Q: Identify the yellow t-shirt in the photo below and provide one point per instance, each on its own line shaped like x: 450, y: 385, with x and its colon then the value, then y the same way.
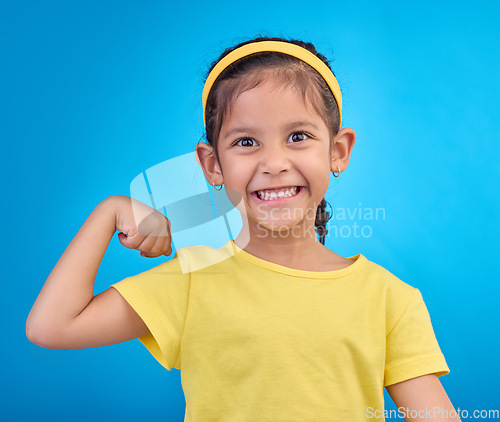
x: 257, y: 341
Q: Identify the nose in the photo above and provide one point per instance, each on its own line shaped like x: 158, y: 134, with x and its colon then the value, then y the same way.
x: 274, y: 160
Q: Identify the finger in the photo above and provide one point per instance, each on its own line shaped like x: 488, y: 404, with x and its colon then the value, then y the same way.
x: 147, y: 244
x: 168, y: 252
x: 166, y: 247
x: 156, y: 249
x: 166, y: 240
x: 166, y: 229
x: 132, y: 240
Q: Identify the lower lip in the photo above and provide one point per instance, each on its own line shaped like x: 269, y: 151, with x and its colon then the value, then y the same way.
x: 278, y: 201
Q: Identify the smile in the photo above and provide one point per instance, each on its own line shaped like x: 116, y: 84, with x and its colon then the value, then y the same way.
x: 276, y: 194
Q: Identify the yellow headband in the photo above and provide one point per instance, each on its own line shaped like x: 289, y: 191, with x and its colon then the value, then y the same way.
x: 280, y: 47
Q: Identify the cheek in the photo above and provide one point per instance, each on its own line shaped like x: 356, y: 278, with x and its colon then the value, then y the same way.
x: 236, y: 198
x: 320, y: 173
x: 234, y: 178
x: 238, y: 173
x: 322, y: 185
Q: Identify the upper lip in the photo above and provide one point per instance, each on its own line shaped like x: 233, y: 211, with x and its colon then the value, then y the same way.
x: 277, y: 187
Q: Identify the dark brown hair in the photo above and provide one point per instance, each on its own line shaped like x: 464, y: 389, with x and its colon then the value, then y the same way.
x: 286, y: 70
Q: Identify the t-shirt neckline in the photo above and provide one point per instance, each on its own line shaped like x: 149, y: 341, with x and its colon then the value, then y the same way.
x: 358, y: 259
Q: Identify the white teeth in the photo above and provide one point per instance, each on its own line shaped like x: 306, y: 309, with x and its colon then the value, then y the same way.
x: 269, y: 195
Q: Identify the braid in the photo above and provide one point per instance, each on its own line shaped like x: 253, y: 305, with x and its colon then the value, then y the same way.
x: 322, y: 217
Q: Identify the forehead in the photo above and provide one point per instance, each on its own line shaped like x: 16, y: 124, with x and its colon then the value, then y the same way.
x: 275, y: 96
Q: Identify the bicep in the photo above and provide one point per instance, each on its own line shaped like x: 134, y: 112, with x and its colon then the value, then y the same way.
x: 425, y: 396
x: 107, y: 319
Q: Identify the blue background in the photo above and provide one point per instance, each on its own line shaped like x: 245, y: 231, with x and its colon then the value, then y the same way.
x: 93, y: 93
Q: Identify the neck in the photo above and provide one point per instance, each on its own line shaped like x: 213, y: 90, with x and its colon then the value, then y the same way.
x: 284, y: 247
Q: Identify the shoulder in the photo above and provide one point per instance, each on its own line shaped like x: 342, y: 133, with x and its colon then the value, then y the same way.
x: 386, y: 279
x: 396, y: 293
x: 200, y: 257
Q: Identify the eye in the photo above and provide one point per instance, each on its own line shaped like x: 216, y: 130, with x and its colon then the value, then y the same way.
x: 298, y: 136
x: 245, y: 142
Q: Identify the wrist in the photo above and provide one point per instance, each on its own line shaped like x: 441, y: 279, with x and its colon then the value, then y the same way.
x: 110, y: 207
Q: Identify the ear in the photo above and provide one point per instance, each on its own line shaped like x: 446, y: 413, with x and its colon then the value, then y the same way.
x: 205, y: 157
x: 343, y: 143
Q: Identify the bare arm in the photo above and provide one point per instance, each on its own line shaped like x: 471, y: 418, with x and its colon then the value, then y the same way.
x: 425, y: 398
x: 66, y: 315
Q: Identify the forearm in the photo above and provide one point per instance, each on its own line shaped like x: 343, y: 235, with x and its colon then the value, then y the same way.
x: 423, y: 399
x: 70, y: 286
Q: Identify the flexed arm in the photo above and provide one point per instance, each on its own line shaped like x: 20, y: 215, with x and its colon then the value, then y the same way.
x: 66, y: 314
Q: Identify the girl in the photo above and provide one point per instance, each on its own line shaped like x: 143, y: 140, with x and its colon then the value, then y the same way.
x: 273, y: 326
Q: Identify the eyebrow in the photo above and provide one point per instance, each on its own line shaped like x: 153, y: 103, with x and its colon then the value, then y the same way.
x: 290, y: 126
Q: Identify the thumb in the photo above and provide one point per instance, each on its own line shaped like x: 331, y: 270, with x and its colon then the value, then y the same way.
x: 128, y: 237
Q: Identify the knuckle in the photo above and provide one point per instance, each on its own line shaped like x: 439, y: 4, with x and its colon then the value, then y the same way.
x: 146, y: 246
x: 136, y: 241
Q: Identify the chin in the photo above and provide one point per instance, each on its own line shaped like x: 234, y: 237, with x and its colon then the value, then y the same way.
x: 281, y: 227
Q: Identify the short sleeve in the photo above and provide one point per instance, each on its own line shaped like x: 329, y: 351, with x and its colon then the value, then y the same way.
x: 160, y: 297
x: 412, y: 349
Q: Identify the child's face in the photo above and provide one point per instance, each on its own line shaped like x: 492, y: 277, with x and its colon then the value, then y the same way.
x: 272, y: 139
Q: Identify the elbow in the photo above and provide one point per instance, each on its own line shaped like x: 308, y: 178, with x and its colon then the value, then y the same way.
x: 38, y: 336
x: 34, y: 336
x: 29, y: 329
x: 49, y: 336
x: 41, y: 340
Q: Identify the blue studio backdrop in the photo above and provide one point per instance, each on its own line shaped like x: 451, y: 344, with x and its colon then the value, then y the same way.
x: 93, y: 94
